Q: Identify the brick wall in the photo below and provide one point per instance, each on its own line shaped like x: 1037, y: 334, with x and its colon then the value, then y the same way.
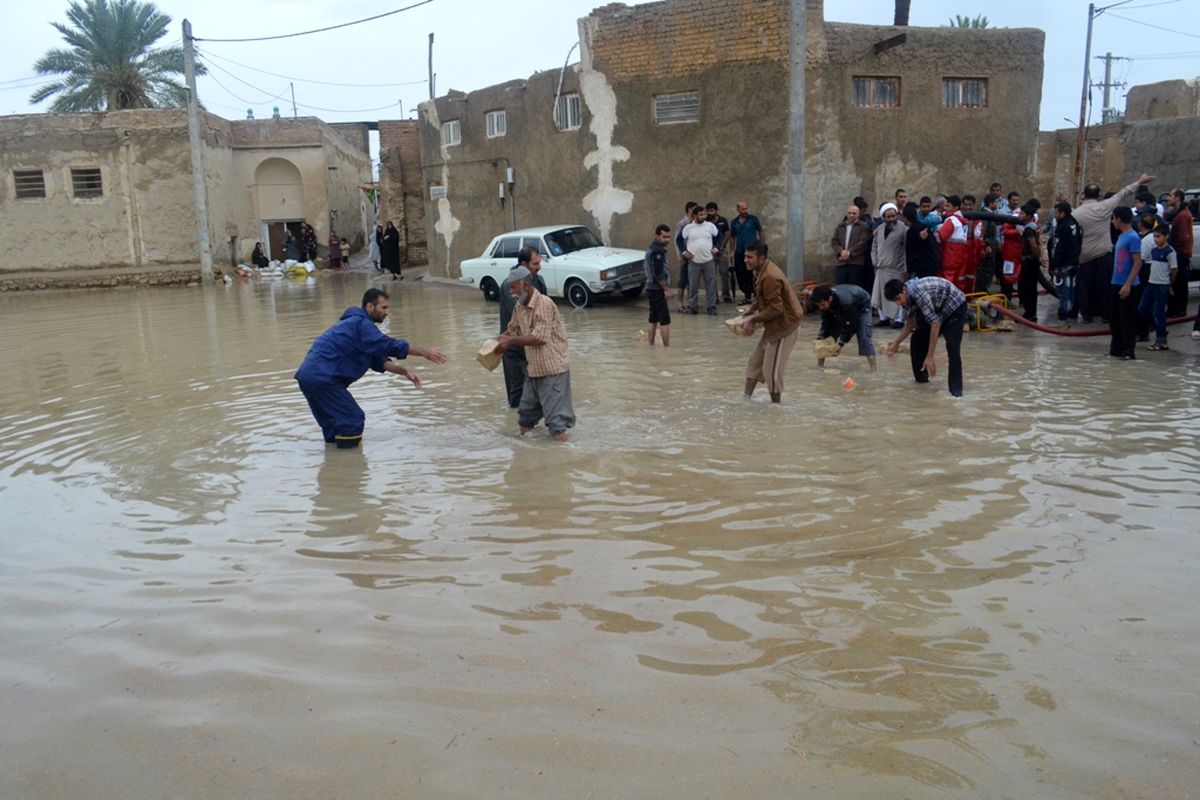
x: 671, y: 39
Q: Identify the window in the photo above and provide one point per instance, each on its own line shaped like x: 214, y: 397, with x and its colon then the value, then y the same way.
x: 508, y: 247
x: 86, y: 182
x: 536, y: 243
x: 673, y: 109
x: 451, y: 133
x: 497, y: 123
x: 964, y: 92
x: 567, y: 115
x: 876, y: 92
x: 29, y: 183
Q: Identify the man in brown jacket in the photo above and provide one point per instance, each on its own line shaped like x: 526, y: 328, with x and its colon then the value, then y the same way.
x: 777, y: 309
x: 851, y: 243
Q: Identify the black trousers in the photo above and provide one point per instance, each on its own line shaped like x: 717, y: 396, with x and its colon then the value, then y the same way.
x: 1091, y: 287
x: 952, y: 333
x: 1177, y: 303
x: 1122, y: 321
x: 850, y: 273
x: 1027, y: 287
x: 515, y: 368
x: 745, y: 281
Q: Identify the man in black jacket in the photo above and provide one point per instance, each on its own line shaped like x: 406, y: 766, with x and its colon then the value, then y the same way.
x: 515, y: 364
x: 845, y: 313
x: 1065, y: 246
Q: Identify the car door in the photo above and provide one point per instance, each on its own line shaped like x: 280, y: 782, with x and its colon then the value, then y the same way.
x: 548, y: 273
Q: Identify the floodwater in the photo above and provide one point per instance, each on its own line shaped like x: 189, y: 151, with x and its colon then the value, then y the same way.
x: 871, y: 592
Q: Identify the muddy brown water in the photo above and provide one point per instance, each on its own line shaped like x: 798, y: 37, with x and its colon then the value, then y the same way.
x: 877, y: 592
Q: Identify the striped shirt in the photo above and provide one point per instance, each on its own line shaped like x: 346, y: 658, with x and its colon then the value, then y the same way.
x: 541, y: 319
x: 936, y: 298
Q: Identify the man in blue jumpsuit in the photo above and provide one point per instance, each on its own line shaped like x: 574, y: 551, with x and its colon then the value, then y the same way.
x: 342, y: 355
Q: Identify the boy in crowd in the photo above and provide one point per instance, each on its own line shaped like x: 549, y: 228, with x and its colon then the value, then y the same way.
x: 1163, y: 266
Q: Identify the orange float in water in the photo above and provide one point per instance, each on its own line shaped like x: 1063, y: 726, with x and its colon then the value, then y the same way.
x: 849, y: 383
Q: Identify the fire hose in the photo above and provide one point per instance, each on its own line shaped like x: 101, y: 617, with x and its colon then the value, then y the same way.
x: 994, y: 309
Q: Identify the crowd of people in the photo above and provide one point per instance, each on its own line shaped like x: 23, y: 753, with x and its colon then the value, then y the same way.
x: 910, y: 268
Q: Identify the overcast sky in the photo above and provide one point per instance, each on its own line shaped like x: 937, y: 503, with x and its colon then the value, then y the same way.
x: 481, y: 43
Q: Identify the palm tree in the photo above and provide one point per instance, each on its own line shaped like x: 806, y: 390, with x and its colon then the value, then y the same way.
x: 902, y: 9
x: 112, y: 63
x: 960, y: 21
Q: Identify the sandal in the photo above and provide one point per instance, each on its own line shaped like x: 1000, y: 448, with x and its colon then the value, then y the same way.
x: 1156, y: 346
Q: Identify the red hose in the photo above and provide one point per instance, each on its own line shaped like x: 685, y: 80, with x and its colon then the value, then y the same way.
x: 1015, y: 317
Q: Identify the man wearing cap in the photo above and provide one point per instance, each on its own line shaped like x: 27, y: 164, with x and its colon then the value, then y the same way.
x: 888, y: 256
x: 342, y: 355
x: 514, y: 357
x: 537, y: 326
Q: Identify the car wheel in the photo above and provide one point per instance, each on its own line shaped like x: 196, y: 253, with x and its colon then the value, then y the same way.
x: 491, y: 292
x: 632, y: 293
x: 578, y: 295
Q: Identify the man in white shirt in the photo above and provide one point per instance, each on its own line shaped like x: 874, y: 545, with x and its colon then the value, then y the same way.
x: 699, y: 239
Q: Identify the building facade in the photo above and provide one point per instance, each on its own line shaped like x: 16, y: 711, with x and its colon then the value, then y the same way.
x: 114, y: 189
x: 675, y: 101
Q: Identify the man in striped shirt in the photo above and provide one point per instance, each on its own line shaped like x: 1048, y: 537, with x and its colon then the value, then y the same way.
x: 537, y: 326
x: 933, y: 307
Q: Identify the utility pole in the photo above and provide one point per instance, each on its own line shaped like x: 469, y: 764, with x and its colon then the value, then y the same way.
x: 1079, y: 144
x: 197, y: 147
x: 1109, y: 114
x: 798, y: 60
x: 292, y: 86
x: 431, y: 93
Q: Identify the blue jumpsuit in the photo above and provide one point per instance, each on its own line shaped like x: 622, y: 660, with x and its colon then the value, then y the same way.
x: 339, y: 357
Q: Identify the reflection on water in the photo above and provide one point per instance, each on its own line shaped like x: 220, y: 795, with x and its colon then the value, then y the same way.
x: 873, y: 591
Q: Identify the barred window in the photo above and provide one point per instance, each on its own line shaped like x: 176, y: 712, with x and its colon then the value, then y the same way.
x: 567, y: 113
x: 86, y: 182
x: 29, y: 183
x: 673, y: 109
x: 497, y: 123
x: 964, y: 92
x: 451, y: 132
x: 872, y: 92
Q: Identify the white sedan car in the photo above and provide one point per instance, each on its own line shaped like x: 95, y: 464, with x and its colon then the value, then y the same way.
x: 575, y: 264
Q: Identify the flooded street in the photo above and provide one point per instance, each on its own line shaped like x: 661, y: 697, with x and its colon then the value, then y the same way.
x: 879, y: 592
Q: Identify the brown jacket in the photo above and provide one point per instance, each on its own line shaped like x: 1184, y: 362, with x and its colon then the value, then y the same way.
x: 778, y: 307
x: 860, y: 241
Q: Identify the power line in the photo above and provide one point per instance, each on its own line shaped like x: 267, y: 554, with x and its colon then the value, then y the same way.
x: 23, y: 80
x: 318, y: 30
x: 1156, y: 27
x: 235, y: 96
x: 281, y: 94
x: 208, y: 54
x: 347, y: 110
x: 239, y: 80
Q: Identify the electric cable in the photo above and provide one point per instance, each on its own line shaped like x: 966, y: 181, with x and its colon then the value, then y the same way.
x: 317, y: 30
x: 1157, y: 27
x: 208, y: 54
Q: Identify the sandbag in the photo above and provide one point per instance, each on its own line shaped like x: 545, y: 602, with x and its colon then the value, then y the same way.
x: 488, y: 355
x: 734, y: 324
x: 826, y: 348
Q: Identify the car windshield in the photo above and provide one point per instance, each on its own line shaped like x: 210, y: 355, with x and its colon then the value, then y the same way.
x: 568, y: 240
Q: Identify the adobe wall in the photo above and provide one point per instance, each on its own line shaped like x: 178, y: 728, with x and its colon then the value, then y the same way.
x: 401, y: 187
x: 622, y: 173
x: 146, y: 213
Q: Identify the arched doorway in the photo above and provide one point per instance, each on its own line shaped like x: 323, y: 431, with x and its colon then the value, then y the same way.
x: 279, y: 195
